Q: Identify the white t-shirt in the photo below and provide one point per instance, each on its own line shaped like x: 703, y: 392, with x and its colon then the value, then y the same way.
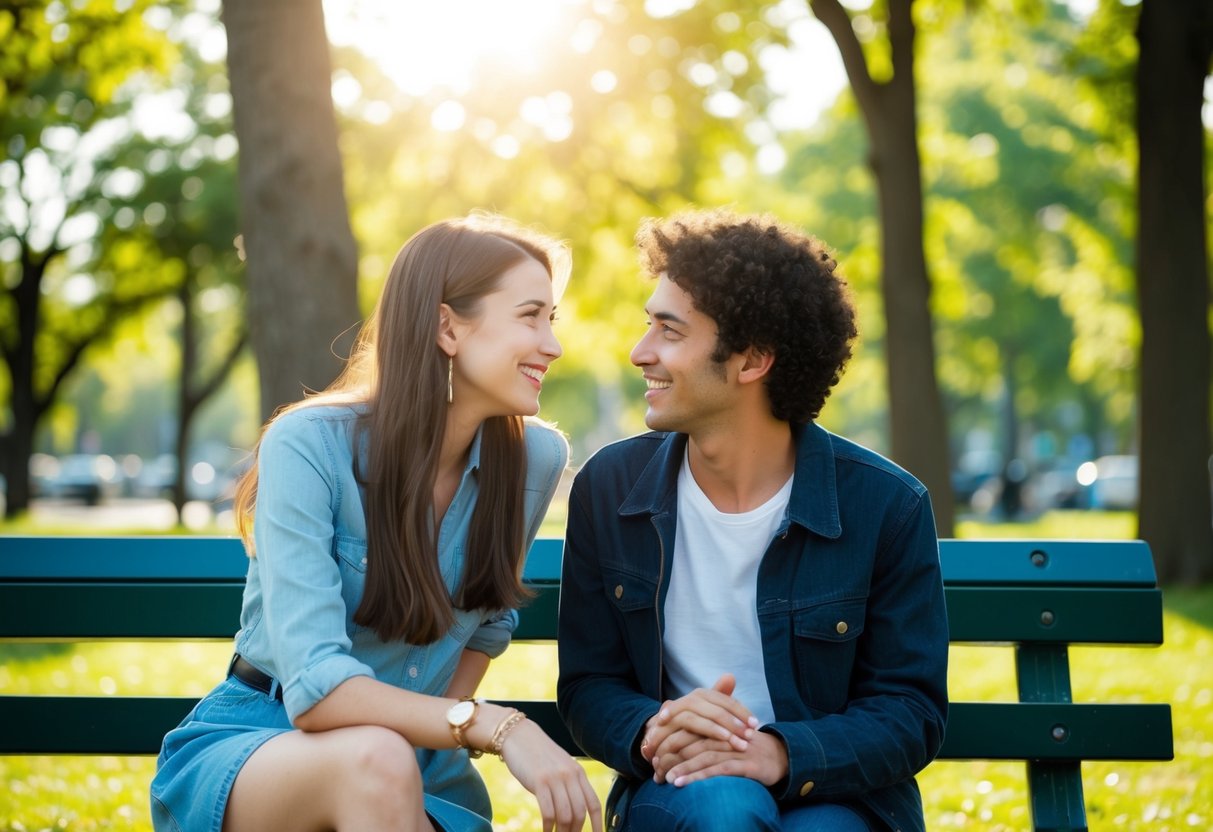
x: 711, y: 611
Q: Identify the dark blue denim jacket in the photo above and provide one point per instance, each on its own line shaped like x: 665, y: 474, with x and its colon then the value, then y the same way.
x: 850, y: 607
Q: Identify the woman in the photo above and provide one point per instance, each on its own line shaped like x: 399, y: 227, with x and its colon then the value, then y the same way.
x: 389, y: 518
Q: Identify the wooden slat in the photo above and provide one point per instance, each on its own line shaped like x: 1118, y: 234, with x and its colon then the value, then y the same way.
x: 146, y: 610
x: 150, y: 558
x: 161, y: 559
x: 1024, y: 731
x: 1071, y: 615
x: 1047, y: 562
x: 976, y: 730
x: 135, y: 725
x: 968, y: 562
x: 88, y: 724
x: 135, y: 611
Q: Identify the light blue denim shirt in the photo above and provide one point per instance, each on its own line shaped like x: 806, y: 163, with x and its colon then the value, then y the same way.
x: 307, y: 577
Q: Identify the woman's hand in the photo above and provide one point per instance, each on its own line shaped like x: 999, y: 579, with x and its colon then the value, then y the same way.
x: 557, y: 780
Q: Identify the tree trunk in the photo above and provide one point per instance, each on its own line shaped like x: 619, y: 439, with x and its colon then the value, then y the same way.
x: 918, y: 426
x: 195, y: 388
x: 302, y: 260
x: 17, y: 445
x: 1176, y: 41
x: 185, y: 405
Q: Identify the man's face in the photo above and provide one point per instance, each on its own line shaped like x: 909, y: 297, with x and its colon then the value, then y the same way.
x: 688, y: 391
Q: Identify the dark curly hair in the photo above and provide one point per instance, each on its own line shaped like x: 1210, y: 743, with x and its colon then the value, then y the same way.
x: 766, y: 285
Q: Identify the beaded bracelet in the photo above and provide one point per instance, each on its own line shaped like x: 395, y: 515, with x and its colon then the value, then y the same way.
x: 508, y: 724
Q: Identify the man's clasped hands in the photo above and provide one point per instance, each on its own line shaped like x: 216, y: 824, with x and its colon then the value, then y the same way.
x: 708, y: 733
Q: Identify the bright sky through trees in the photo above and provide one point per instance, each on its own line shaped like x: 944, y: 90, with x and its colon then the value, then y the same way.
x: 430, y: 48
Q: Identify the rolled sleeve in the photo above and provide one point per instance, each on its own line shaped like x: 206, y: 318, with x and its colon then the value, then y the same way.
x: 303, y: 610
x: 494, y: 633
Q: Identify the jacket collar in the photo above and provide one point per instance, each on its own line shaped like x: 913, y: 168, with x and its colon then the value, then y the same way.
x: 812, y: 504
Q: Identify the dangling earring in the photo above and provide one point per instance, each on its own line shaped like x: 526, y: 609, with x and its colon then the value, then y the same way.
x: 450, y: 372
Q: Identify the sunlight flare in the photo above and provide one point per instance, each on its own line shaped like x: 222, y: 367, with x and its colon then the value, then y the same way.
x: 426, y: 46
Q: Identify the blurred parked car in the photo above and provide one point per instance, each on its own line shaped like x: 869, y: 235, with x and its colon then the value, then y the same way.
x: 203, y: 480
x: 975, y: 470
x: 1112, y: 482
x: 84, y: 477
x: 1057, y: 486
x: 155, y: 477
x: 43, y: 468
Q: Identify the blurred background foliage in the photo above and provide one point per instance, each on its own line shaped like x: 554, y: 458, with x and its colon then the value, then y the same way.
x: 118, y: 207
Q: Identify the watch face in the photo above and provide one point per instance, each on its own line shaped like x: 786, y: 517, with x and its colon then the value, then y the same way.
x: 461, y: 712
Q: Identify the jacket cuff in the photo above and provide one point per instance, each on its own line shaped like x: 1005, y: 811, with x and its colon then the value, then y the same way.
x: 806, y: 759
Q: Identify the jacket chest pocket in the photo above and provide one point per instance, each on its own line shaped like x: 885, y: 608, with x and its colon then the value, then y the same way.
x: 824, y: 640
x: 627, y: 592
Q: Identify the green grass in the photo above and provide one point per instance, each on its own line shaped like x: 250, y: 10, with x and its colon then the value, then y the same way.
x: 86, y: 793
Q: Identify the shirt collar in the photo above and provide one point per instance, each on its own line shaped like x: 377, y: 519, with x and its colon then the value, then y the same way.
x: 473, y: 463
x: 812, y: 504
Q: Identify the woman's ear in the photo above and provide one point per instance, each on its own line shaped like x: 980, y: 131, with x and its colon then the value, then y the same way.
x: 447, y: 336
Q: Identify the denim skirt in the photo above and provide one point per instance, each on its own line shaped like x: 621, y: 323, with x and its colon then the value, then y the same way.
x: 201, y: 757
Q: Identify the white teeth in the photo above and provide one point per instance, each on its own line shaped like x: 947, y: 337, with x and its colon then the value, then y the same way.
x: 533, y: 373
x: 654, y: 384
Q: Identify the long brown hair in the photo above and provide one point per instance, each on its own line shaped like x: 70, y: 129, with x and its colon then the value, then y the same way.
x: 400, y: 373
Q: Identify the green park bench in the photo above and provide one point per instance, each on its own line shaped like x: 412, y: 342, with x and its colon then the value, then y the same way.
x: 1038, y: 596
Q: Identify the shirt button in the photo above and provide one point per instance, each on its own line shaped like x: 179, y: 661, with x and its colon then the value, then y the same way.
x: 807, y: 787
x: 841, y: 628
x: 619, y: 591
x: 413, y: 672
x: 364, y: 561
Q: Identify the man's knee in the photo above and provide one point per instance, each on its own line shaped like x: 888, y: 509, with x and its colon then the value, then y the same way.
x: 713, y: 805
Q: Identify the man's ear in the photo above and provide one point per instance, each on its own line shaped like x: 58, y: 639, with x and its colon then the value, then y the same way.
x: 448, y: 340
x: 757, y: 363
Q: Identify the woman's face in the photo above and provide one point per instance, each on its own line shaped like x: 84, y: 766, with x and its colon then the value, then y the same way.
x: 503, y: 353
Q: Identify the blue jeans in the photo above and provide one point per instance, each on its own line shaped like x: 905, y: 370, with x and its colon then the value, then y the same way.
x: 726, y: 804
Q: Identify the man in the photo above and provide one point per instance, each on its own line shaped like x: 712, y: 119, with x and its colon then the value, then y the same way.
x: 752, y: 624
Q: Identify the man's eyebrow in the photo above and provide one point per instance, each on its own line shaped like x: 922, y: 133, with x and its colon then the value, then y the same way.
x: 667, y: 317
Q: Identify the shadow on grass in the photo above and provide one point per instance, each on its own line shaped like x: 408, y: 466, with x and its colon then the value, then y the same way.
x: 1193, y: 603
x: 33, y: 652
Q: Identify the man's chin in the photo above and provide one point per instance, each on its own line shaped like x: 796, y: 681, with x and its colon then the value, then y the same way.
x: 654, y: 421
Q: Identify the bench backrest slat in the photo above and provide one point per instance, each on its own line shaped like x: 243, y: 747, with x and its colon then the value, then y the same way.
x: 152, y: 610
x: 176, y: 587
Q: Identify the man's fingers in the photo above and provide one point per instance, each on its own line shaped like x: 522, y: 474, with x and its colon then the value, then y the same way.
x: 709, y: 763
x: 712, y: 703
x: 669, y: 757
x: 720, y: 725
x: 726, y: 684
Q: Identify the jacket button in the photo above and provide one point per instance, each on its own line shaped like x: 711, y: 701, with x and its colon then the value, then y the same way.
x: 807, y: 787
x: 619, y: 591
x: 841, y: 627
